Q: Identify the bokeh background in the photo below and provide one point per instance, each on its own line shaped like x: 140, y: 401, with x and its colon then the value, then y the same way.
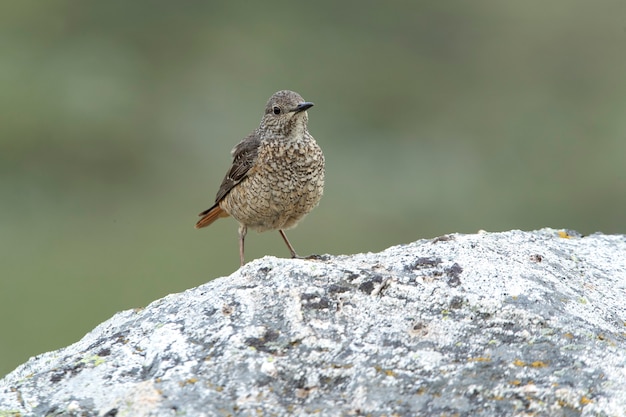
x: 117, y: 119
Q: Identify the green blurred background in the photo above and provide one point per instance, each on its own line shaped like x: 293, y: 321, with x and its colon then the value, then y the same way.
x: 117, y: 119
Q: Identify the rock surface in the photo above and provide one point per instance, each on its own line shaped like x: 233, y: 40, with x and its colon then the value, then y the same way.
x: 514, y: 323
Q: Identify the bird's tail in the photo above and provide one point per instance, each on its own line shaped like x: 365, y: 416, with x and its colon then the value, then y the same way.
x: 210, y: 215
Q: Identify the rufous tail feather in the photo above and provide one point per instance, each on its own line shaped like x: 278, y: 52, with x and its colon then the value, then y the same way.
x: 210, y: 215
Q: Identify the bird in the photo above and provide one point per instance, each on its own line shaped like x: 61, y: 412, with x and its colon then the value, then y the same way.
x: 277, y: 174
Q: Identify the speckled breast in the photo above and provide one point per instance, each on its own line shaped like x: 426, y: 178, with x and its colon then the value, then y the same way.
x: 286, y: 183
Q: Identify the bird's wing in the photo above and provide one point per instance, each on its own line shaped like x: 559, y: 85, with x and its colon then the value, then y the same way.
x: 244, y: 157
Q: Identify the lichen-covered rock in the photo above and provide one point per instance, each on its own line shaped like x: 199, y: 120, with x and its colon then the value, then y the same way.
x: 515, y: 323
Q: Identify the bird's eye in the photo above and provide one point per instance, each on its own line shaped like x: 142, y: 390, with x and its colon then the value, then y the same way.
x: 276, y: 110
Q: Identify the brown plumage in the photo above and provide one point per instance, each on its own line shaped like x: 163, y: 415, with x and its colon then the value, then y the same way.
x: 277, y: 174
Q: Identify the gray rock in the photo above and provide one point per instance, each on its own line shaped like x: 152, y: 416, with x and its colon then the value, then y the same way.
x: 491, y: 324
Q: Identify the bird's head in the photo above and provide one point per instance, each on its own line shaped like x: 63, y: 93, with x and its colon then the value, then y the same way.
x: 285, y: 113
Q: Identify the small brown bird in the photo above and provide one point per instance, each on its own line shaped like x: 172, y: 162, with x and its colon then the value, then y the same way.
x: 277, y: 174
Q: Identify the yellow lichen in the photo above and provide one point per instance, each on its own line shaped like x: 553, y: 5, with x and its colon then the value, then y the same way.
x: 480, y: 359
x: 188, y: 382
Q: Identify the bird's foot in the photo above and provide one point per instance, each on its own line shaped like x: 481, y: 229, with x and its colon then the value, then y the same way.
x: 315, y: 257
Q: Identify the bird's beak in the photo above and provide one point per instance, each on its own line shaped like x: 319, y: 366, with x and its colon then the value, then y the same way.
x: 302, y: 107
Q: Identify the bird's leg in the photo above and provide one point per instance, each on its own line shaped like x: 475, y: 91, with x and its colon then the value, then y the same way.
x: 242, y: 235
x: 291, y: 249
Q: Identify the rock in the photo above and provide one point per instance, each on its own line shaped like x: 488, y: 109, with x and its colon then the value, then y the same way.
x: 514, y: 323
